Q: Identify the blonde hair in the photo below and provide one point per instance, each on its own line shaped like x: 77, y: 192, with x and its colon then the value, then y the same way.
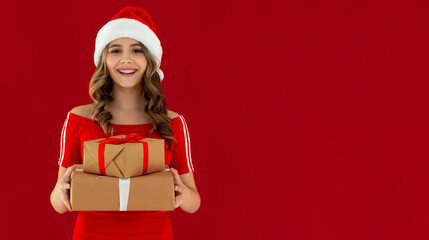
x: 100, y: 91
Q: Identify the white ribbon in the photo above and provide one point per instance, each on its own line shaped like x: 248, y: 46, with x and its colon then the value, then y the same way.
x: 124, y: 191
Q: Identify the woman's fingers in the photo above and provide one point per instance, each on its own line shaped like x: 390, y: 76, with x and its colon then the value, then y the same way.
x: 70, y: 170
x: 178, y: 200
x: 176, y: 177
x: 64, y: 186
x: 67, y: 175
x: 178, y: 188
x: 66, y: 202
x: 65, y: 195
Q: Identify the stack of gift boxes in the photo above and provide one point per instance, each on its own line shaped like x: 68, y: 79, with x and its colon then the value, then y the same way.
x: 122, y: 173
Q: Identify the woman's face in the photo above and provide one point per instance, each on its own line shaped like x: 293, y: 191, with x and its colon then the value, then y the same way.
x: 126, y: 62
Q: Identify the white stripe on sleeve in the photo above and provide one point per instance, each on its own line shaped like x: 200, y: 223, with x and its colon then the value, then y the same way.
x: 189, y: 141
x: 63, y: 140
x: 187, y: 144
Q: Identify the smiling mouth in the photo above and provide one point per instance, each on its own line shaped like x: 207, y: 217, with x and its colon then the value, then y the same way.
x: 127, y: 72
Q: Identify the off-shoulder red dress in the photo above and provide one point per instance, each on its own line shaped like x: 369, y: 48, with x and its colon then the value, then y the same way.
x: 128, y: 225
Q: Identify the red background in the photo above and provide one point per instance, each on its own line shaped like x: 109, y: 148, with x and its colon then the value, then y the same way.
x: 308, y: 119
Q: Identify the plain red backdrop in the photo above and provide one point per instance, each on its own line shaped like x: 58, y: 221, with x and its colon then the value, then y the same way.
x: 308, y: 119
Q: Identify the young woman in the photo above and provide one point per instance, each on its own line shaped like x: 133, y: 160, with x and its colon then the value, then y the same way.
x: 127, y: 94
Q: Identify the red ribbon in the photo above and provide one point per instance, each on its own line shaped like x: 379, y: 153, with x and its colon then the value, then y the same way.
x: 132, y: 138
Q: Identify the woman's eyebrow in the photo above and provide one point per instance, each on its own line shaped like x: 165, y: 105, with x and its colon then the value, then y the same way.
x: 118, y: 45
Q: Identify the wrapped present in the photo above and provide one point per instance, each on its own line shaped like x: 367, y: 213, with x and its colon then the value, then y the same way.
x: 124, y: 156
x: 151, y: 192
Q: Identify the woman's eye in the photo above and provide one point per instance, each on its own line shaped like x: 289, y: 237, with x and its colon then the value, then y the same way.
x: 138, y: 50
x: 114, y: 51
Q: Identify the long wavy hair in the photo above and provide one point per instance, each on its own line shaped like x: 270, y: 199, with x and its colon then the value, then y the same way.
x: 100, y: 91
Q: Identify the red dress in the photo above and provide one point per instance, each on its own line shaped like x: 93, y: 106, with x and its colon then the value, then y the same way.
x: 123, y: 225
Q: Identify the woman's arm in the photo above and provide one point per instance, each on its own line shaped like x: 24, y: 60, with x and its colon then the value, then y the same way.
x: 188, y: 197
x: 60, y: 197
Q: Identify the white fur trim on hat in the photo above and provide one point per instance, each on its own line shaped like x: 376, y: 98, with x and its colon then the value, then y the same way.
x: 127, y: 27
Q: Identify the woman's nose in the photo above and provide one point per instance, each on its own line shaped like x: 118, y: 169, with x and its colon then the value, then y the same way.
x: 125, y: 61
x: 125, y: 58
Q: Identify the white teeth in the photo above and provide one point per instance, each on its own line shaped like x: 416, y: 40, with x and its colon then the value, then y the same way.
x: 127, y: 71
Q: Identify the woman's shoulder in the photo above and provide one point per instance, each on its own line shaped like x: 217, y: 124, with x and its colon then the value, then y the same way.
x: 83, y: 110
x: 172, y: 114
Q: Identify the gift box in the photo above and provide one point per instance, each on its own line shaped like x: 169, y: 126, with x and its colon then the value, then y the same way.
x: 150, y: 192
x: 124, y: 156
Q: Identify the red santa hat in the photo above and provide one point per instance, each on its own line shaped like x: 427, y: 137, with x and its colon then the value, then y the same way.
x: 131, y: 22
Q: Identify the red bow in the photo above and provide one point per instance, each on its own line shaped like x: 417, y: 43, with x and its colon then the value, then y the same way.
x: 132, y: 138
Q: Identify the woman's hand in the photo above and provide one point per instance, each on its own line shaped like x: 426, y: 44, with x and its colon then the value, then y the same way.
x: 63, y: 186
x: 181, y: 189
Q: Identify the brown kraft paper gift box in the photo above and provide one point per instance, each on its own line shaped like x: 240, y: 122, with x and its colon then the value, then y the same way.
x: 151, y: 192
x: 124, y: 160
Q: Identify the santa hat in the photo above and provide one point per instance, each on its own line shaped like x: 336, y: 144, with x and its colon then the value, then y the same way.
x: 131, y: 22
